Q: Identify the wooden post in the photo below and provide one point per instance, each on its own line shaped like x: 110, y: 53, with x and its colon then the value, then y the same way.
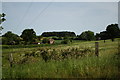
x: 104, y: 41
x: 10, y: 59
x: 97, y: 49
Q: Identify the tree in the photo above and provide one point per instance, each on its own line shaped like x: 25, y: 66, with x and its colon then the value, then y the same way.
x: 59, y: 34
x: 97, y: 36
x: 87, y: 35
x: 104, y: 35
x: 113, y: 31
x: 66, y: 41
x: 28, y: 35
x: 10, y: 38
x: 5, y: 40
x: 2, y: 19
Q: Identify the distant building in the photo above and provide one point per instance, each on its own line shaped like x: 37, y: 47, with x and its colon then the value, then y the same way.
x: 51, y: 41
x: 36, y: 43
x: 39, y: 43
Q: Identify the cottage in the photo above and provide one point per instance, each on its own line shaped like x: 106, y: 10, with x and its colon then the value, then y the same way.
x: 51, y: 41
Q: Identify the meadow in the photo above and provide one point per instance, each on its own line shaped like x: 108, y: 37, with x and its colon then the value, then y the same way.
x: 74, y: 60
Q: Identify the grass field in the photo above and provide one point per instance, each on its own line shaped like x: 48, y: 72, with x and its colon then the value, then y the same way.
x: 75, y: 60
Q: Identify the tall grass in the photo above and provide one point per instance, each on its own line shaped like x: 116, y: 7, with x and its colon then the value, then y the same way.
x: 87, y: 67
x: 31, y: 64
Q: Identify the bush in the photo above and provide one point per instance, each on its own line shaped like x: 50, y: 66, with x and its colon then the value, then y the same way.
x: 87, y: 35
x: 47, y: 54
x: 66, y: 41
x: 10, y: 38
x: 55, y: 38
x: 45, y: 40
x: 60, y: 38
x: 4, y: 40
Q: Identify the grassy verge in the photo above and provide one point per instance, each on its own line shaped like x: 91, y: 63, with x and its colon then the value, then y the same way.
x: 88, y: 67
x: 104, y: 66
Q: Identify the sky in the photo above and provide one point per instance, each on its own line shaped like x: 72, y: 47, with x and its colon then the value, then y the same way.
x: 60, y: 0
x: 59, y: 16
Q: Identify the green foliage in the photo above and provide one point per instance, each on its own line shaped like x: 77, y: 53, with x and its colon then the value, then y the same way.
x: 87, y: 35
x: 4, y: 40
x: 55, y: 38
x: 97, y: 36
x: 112, y: 31
x: 60, y: 38
x: 2, y: 19
x: 45, y: 40
x: 59, y: 34
x: 104, y: 35
x: 39, y: 37
x: 10, y: 38
x: 28, y: 35
x: 89, y: 67
x: 65, y: 41
x: 63, y: 61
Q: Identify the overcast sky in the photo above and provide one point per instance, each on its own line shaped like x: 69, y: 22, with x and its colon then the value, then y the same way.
x: 59, y: 16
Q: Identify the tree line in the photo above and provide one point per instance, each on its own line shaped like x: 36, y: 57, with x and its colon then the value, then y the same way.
x: 59, y: 34
x: 29, y: 36
x: 112, y: 32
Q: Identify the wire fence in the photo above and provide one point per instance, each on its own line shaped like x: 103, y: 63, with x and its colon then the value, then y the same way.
x: 97, y: 46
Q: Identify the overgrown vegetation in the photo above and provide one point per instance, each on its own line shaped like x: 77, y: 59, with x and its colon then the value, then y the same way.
x: 66, y: 41
x: 75, y: 60
x: 29, y: 36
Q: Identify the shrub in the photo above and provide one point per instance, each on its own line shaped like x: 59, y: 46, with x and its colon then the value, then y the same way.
x: 10, y: 38
x: 60, y: 38
x: 45, y: 40
x: 55, y: 38
x: 66, y: 41
x: 4, y: 40
x: 47, y: 54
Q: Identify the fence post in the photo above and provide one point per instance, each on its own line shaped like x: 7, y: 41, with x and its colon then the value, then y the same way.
x: 97, y: 49
x: 10, y: 59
